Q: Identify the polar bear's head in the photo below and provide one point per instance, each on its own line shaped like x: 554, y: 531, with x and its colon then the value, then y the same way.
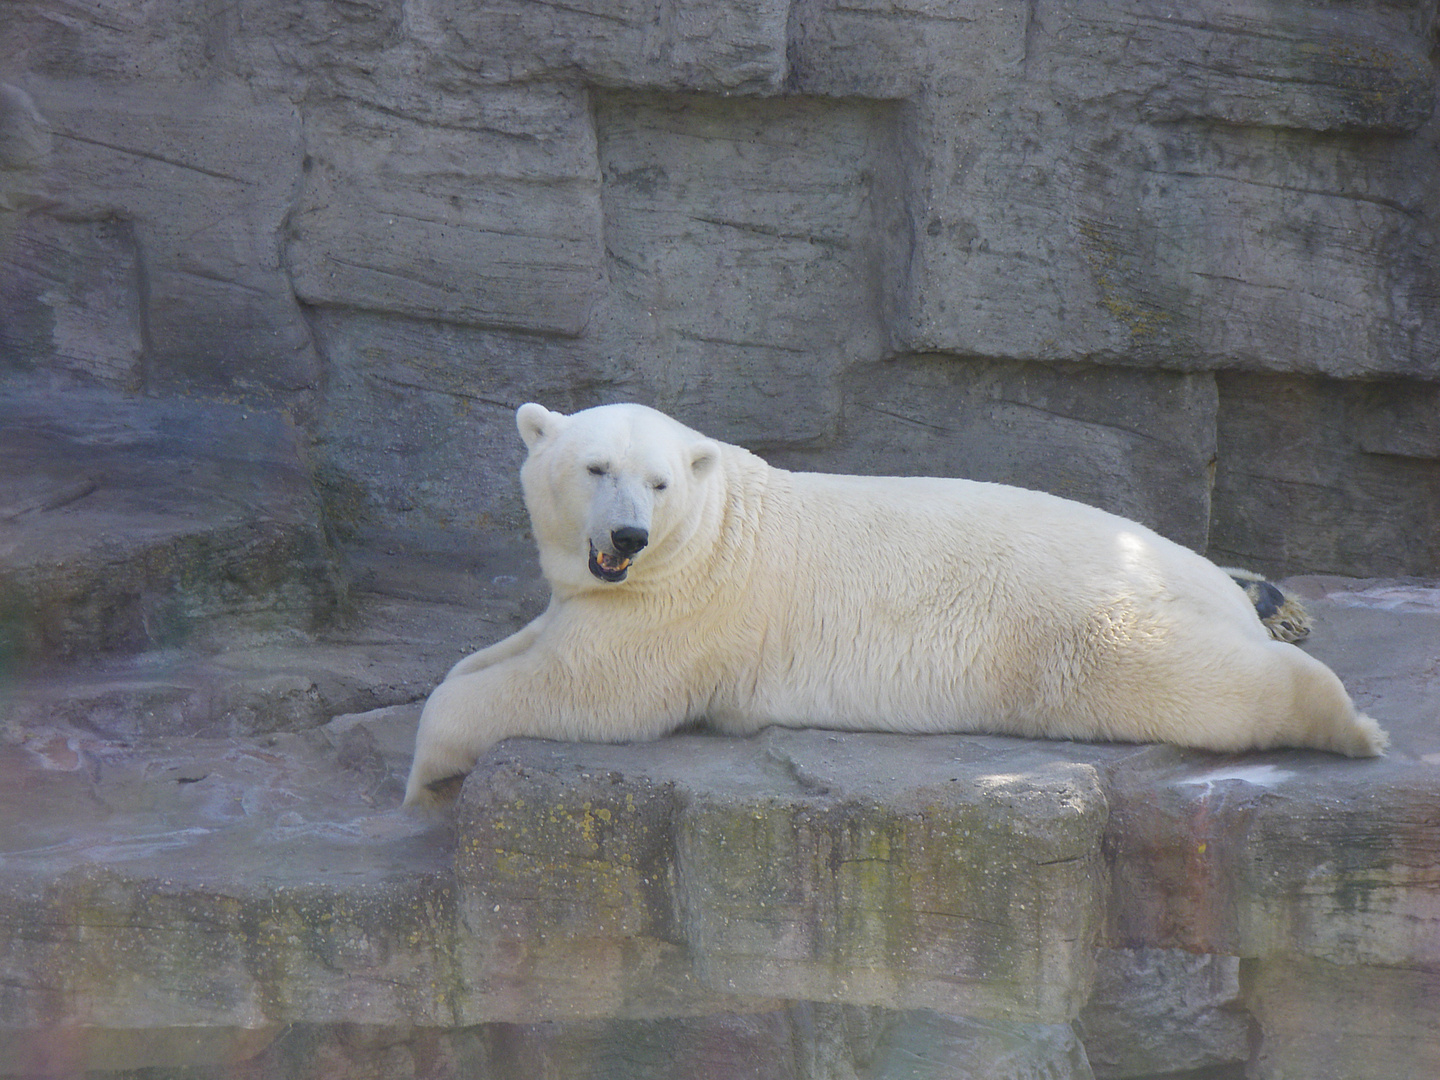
x: 614, y: 491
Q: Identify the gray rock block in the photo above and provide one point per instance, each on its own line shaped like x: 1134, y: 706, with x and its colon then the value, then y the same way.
x: 1267, y: 65
x: 72, y: 295
x: 1217, y: 861
x: 803, y: 865
x: 747, y: 244
x: 1139, y: 444
x: 1159, y: 1011
x: 25, y: 146
x: 900, y: 50
x: 803, y: 1042
x: 167, y: 40
x: 486, y: 214
x: 247, y: 197
x: 142, y: 523
x: 1342, y: 1022
x: 248, y: 689
x: 1044, y: 230
x: 1150, y: 256
x: 1327, y: 477
x: 1257, y: 65
x: 446, y: 478
x: 198, y: 180
x: 133, y: 949
x: 675, y: 45
x: 398, y: 636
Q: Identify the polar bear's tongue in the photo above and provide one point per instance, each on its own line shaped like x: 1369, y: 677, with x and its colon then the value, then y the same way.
x: 608, y: 567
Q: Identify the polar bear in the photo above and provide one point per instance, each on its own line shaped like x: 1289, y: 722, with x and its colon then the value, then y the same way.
x: 690, y: 580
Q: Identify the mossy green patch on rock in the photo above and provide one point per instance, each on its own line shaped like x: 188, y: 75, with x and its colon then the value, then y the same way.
x: 777, y: 866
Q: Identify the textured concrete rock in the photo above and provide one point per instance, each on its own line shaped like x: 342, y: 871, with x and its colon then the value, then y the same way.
x: 245, y: 689
x: 1328, y: 1022
x: 1264, y: 65
x: 900, y: 50
x: 427, y: 211
x: 141, y: 523
x: 804, y: 1042
x: 403, y: 623
x: 737, y: 300
x: 447, y: 478
x: 25, y: 146
x: 929, y: 897
x: 71, y: 291
x: 164, y: 39
x: 1139, y: 444
x: 478, y: 211
x: 1156, y: 1011
x: 1044, y: 230
x: 158, y: 929
x: 1327, y: 477
x: 802, y: 865
x: 196, y: 180
x: 675, y: 45
x: 1216, y: 860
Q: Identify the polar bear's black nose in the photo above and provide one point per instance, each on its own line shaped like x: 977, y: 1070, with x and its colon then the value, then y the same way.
x: 628, y: 540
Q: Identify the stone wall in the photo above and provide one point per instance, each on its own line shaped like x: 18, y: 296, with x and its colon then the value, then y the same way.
x: 1174, y: 259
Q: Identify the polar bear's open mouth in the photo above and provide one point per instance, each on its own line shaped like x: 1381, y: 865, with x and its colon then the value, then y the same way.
x: 608, y: 567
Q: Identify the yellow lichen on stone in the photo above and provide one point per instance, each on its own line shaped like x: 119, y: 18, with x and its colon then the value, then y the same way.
x: 1141, y: 320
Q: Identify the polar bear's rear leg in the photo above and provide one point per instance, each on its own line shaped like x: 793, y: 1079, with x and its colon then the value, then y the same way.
x: 1320, y: 712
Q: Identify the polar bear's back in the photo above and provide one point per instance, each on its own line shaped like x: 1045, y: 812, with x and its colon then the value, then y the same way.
x: 945, y: 603
x: 991, y: 540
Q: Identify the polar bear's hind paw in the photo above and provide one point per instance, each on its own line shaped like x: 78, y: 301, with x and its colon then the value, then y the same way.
x: 1283, y: 615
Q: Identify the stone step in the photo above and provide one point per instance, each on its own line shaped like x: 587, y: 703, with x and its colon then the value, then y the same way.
x: 128, y: 524
x: 388, y: 650
x: 406, y: 621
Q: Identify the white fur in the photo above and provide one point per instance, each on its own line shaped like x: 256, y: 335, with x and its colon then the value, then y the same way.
x: 914, y: 605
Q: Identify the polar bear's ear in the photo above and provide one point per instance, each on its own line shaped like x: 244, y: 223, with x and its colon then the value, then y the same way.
x: 703, y: 457
x: 536, y: 422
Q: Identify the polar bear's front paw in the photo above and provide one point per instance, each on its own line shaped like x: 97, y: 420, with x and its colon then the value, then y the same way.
x: 435, y: 777
x: 434, y: 793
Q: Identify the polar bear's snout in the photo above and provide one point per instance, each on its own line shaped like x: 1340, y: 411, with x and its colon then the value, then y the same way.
x: 618, y: 525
